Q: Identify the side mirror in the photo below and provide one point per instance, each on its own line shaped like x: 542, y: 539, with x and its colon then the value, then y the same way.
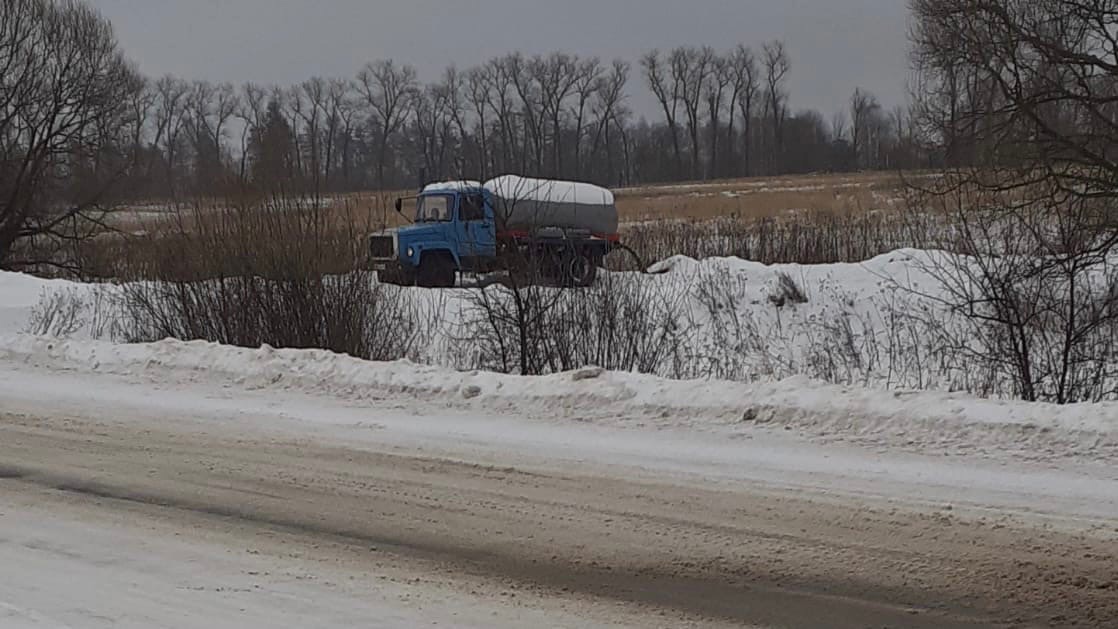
x: 400, y: 205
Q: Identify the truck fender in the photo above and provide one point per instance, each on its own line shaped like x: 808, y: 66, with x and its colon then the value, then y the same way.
x: 420, y: 252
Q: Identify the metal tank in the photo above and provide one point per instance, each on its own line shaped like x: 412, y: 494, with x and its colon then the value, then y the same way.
x: 524, y: 204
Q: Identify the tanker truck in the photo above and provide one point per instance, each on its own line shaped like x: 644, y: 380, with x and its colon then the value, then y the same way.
x: 557, y: 231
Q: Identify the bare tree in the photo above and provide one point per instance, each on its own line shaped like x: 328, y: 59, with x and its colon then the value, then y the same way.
x: 863, y: 108
x: 588, y: 81
x: 525, y: 76
x: 170, y: 119
x: 478, y: 86
x: 606, y: 109
x: 390, y: 91
x: 691, y: 68
x: 715, y: 92
x: 253, y: 104
x: 746, y: 81
x: 906, y: 134
x: 777, y: 66
x: 665, y: 85
x: 1022, y: 95
x: 64, y: 84
x: 434, y: 125
x: 838, y: 125
x: 209, y: 109
x: 140, y: 103
x: 454, y: 86
x: 556, y: 76
x: 344, y: 105
x: 295, y: 109
x: 501, y: 83
x: 334, y: 102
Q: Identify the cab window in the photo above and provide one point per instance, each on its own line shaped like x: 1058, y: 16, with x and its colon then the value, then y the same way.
x: 473, y: 208
x: 433, y: 209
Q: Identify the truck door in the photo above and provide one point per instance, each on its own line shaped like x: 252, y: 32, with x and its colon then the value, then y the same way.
x: 476, y: 237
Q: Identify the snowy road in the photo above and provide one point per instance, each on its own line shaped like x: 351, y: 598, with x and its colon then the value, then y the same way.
x: 129, y: 501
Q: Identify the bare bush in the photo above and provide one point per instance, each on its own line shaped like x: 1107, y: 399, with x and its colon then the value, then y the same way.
x: 63, y: 313
x: 623, y: 323
x: 104, y: 313
x: 747, y: 337
x: 58, y: 313
x: 275, y: 274
x: 786, y: 291
x: 897, y: 339
x: 733, y: 343
x: 810, y: 238
x: 1033, y: 290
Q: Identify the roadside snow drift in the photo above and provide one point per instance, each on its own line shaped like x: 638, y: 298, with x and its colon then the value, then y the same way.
x: 750, y: 344
x: 914, y: 420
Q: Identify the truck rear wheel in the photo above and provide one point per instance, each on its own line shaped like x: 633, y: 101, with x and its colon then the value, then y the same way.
x: 580, y: 269
x: 436, y: 271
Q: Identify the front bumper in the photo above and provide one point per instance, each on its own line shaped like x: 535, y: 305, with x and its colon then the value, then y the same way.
x: 393, y: 272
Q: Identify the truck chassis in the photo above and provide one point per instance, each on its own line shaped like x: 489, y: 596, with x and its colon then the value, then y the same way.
x: 551, y: 256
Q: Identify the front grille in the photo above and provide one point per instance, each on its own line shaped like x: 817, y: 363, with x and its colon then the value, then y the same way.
x: 382, y: 246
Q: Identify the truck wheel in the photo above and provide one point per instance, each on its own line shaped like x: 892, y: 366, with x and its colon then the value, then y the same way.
x: 580, y: 269
x: 436, y: 271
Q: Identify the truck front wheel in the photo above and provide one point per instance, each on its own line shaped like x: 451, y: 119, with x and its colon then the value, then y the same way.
x: 436, y: 271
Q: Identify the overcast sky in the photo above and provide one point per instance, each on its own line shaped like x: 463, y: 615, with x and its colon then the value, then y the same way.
x: 834, y: 44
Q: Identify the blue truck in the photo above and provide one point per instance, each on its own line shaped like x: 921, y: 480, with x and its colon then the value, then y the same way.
x: 546, y: 230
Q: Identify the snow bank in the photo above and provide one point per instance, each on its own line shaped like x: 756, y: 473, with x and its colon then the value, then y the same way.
x: 451, y: 186
x: 923, y: 421
x: 875, y: 324
x: 734, y: 327
x: 21, y: 293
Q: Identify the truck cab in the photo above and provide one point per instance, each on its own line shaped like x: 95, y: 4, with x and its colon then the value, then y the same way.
x: 454, y: 229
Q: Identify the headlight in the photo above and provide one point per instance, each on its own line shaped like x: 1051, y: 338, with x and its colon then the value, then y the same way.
x: 411, y: 252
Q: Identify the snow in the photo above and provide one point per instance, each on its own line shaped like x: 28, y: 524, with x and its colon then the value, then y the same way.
x: 548, y: 191
x: 21, y: 293
x: 723, y: 386
x: 78, y: 568
x: 632, y: 426
x: 706, y: 192
x: 1051, y: 464
x: 523, y: 188
x: 451, y: 186
x: 913, y: 421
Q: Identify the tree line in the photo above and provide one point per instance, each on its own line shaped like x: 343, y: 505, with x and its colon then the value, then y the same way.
x: 556, y: 115
x: 81, y: 128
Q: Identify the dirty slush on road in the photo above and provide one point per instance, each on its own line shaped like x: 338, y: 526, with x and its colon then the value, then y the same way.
x: 742, y: 555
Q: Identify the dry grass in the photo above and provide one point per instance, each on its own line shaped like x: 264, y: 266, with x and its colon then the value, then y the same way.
x: 738, y: 198
x: 721, y: 217
x: 758, y: 198
x: 371, y: 208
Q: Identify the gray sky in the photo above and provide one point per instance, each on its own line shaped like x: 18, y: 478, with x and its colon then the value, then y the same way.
x: 834, y: 44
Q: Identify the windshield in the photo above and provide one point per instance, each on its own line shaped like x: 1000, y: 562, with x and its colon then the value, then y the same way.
x: 434, y: 208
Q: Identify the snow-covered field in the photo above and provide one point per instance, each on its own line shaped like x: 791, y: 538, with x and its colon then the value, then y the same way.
x: 258, y: 472
x: 743, y: 354
x: 881, y: 324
